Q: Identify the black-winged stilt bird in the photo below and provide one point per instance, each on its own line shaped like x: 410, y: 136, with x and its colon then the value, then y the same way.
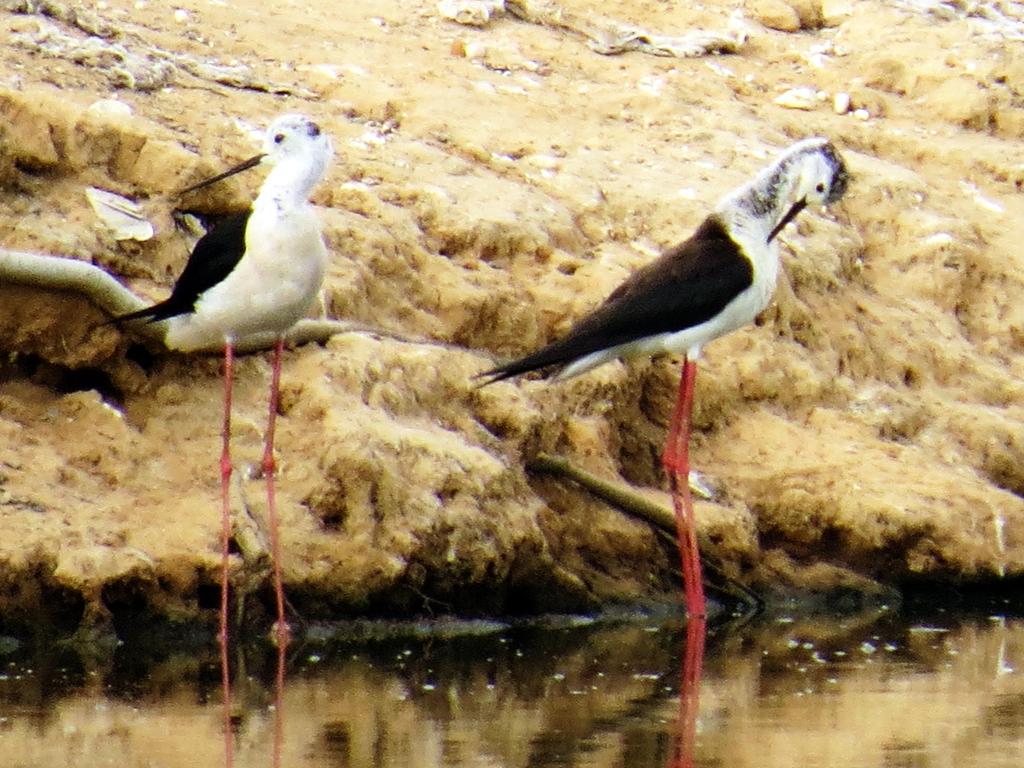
x: 256, y: 273
x: 703, y: 288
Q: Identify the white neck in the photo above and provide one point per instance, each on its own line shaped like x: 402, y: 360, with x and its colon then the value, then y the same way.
x: 756, y: 208
x: 290, y: 183
x: 750, y: 214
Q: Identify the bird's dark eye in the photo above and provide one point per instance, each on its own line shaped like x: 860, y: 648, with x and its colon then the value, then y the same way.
x: 279, y: 138
x: 820, y: 187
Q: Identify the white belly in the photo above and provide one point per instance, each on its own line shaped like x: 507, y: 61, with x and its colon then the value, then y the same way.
x: 270, y: 290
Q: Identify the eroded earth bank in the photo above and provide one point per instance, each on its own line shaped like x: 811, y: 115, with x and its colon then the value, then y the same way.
x: 491, y: 184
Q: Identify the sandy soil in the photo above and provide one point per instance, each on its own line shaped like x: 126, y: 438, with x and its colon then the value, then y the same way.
x: 490, y: 185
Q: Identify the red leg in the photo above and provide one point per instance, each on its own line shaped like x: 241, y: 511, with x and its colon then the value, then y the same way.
x: 689, y: 693
x: 269, y: 466
x: 225, y: 539
x: 279, y: 706
x: 676, y: 460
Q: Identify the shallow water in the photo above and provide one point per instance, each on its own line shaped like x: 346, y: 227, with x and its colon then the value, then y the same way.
x: 869, y: 690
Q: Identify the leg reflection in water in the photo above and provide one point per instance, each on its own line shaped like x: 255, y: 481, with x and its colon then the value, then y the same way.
x: 282, y: 647
x: 689, y: 693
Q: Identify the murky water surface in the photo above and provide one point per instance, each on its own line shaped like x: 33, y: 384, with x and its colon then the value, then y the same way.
x: 871, y: 690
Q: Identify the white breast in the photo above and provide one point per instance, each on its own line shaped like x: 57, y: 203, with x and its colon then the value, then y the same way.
x: 271, y: 288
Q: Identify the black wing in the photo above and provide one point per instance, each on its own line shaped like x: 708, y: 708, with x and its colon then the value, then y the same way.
x: 685, y: 286
x: 216, y: 254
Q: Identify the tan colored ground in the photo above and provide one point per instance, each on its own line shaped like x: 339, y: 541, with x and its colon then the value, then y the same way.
x: 870, y: 425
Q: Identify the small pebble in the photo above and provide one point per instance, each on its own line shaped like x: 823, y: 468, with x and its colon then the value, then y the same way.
x: 841, y: 103
x: 798, y: 98
x: 180, y: 15
x: 861, y: 114
x: 473, y: 13
x: 835, y: 12
x: 110, y: 108
x: 776, y: 14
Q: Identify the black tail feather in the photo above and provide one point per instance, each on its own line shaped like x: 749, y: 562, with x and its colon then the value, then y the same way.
x: 154, y: 314
x: 538, y: 361
x: 146, y: 314
x: 493, y: 375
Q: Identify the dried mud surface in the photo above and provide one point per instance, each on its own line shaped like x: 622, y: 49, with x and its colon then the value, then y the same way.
x: 490, y: 185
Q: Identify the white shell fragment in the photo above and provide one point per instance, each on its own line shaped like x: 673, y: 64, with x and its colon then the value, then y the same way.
x: 798, y: 98
x: 123, y: 217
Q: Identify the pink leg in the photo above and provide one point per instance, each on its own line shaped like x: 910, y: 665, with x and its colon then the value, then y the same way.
x: 279, y: 706
x: 269, y: 466
x: 676, y: 460
x: 281, y: 627
x: 689, y: 693
x: 225, y: 539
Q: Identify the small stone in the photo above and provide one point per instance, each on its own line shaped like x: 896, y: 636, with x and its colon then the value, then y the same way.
x: 841, y: 103
x: 798, y: 98
x: 776, y: 14
x: 809, y: 13
x: 472, y: 49
x: 109, y: 108
x: 861, y: 114
x: 474, y: 13
x: 835, y: 12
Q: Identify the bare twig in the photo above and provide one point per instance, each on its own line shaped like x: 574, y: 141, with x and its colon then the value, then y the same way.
x: 663, y: 519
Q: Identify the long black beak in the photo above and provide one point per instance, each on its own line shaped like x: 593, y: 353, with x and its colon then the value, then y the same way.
x: 798, y: 206
x: 250, y: 163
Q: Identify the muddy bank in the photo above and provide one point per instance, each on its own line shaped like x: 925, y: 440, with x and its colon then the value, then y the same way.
x: 490, y: 185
